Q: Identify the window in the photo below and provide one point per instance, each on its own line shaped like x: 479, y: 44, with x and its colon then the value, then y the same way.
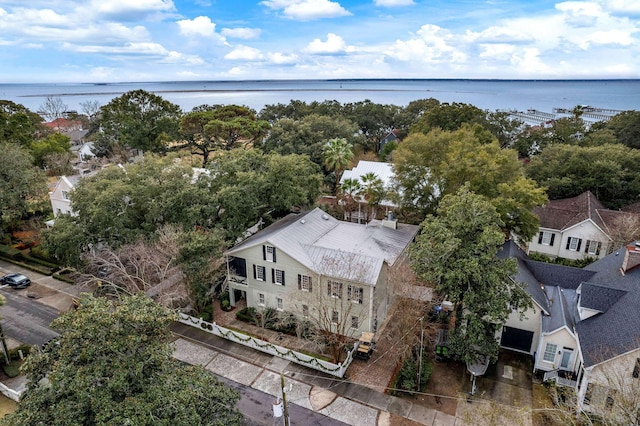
x: 608, y: 405
x: 261, y: 299
x: 269, y: 253
x: 574, y: 243
x: 259, y: 272
x: 334, y: 289
x: 354, y: 322
x: 355, y: 294
x: 277, y: 276
x: 65, y: 195
x: 546, y: 238
x: 334, y: 317
x: 279, y: 303
x: 304, y: 282
x: 305, y: 310
x: 550, y: 352
x: 588, y: 394
x: 636, y: 370
x: 593, y: 247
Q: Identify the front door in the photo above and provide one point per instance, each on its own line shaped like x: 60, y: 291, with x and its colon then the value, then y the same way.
x: 566, y: 358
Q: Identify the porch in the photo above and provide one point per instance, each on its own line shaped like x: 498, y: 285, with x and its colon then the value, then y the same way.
x: 561, y: 377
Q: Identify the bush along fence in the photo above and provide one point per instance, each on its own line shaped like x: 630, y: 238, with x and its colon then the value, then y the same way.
x: 337, y: 370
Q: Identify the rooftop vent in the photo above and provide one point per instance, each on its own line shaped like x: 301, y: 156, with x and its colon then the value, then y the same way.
x: 325, y: 216
x: 302, y: 221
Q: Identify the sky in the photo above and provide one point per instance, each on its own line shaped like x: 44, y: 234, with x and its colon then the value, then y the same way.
x: 50, y: 41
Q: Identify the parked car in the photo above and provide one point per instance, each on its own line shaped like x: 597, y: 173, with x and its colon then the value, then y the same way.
x: 16, y: 281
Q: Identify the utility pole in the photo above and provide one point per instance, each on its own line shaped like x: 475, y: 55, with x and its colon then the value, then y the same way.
x: 284, y: 401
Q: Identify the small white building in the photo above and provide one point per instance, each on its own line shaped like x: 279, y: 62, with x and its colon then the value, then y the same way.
x: 60, y: 196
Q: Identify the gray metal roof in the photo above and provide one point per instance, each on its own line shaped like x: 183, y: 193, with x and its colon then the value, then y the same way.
x: 563, y: 309
x: 332, y: 247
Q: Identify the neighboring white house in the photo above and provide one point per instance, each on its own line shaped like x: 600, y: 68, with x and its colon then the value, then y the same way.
x: 578, y: 227
x: 60, y: 196
x: 313, y: 266
x: 585, y: 330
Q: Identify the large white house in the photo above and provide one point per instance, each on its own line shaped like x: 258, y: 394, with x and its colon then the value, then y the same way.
x: 60, y: 196
x: 584, y: 330
x: 320, y: 268
x: 578, y: 227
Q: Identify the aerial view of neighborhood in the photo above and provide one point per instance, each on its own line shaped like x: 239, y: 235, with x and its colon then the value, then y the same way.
x: 439, y: 225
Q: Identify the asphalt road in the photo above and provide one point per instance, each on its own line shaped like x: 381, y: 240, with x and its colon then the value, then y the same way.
x: 26, y: 320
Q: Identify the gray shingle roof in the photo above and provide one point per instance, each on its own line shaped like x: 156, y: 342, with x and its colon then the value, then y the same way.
x: 598, y: 297
x: 524, y: 274
x: 563, y: 311
x: 332, y: 247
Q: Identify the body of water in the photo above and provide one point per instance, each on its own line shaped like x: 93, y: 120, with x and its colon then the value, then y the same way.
x: 543, y: 95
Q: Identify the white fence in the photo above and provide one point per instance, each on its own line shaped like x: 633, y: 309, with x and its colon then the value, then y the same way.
x: 337, y: 370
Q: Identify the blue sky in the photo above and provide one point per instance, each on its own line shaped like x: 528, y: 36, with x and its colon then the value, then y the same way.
x: 166, y: 40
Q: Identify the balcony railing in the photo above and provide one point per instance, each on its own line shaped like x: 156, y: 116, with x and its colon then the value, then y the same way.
x: 559, y: 377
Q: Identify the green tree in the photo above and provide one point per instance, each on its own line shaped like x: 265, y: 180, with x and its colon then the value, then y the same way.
x: 626, y: 128
x: 56, y: 143
x: 348, y: 195
x: 611, y: 172
x: 309, y: 135
x: 449, y: 117
x: 456, y: 251
x: 337, y: 156
x: 221, y: 128
x: 373, y: 120
x: 140, y: 120
x: 18, y: 124
x: 112, y: 364
x: 373, y: 192
x: 428, y: 167
x: 23, y: 187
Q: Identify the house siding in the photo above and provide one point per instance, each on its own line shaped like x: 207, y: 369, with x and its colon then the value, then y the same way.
x: 565, y: 342
x: 584, y: 231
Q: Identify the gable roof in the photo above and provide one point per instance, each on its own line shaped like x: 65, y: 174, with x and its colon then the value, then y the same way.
x: 562, y: 312
x: 598, y: 297
x: 335, y: 248
x: 567, y: 212
x: 524, y: 275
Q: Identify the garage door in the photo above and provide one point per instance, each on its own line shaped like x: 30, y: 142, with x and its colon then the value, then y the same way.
x: 516, y: 338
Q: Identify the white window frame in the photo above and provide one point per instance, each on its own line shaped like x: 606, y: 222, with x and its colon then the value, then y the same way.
x: 268, y: 253
x: 65, y: 195
x: 261, y: 273
x: 546, y: 238
x: 592, y: 248
x: 305, y: 282
x: 355, y: 321
x: 335, y: 289
x: 261, y: 299
x: 573, y: 243
x: 279, y: 303
x: 278, y: 276
x: 548, y: 353
x: 358, y: 297
x: 335, y: 317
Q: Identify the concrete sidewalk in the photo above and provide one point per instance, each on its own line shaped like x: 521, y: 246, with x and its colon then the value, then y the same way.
x: 338, y: 399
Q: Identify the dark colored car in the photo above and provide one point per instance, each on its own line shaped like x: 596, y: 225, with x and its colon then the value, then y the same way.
x: 16, y: 281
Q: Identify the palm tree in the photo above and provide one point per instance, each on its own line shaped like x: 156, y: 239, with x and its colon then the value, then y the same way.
x: 373, y: 191
x: 337, y: 156
x: 349, y: 190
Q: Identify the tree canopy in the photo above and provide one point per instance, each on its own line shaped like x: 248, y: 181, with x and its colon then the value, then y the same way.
x: 457, y: 252
x: 18, y: 124
x: 430, y: 166
x: 220, y: 128
x: 22, y: 186
x: 140, y: 120
x: 112, y: 364
x: 611, y: 172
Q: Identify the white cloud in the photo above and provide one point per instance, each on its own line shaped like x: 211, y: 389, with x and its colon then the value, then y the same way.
x: 393, y: 3
x: 130, y: 10
x: 502, y: 52
x: 431, y: 45
x: 201, y: 26
x: 613, y: 37
x: 242, y: 33
x: 307, y: 10
x: 501, y: 35
x: 244, y: 53
x: 334, y: 45
x: 282, y: 59
x: 579, y: 13
x: 138, y: 49
x: 621, y: 7
x: 529, y: 62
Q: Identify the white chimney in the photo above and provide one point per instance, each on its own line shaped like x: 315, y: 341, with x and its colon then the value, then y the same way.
x: 631, y: 257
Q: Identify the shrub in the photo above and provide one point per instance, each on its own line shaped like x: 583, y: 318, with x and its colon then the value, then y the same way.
x: 10, y: 252
x: 11, y: 370
x: 247, y: 315
x: 14, y: 354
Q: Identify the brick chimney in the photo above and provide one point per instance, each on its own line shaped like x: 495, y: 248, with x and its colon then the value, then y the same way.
x: 631, y: 257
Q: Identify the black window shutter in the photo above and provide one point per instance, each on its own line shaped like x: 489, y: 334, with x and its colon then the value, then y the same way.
x: 568, y: 242
x: 340, y: 292
x: 329, y: 288
x: 274, y: 255
x: 553, y: 236
x: 586, y: 246
x: 598, y: 248
x: 310, y: 285
x: 273, y: 275
x: 264, y: 252
x: 540, y: 238
x: 282, y: 278
x: 579, y: 242
x: 299, y: 282
x: 255, y: 275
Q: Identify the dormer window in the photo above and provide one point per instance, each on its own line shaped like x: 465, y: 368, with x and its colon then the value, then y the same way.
x: 65, y: 195
x: 269, y: 253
